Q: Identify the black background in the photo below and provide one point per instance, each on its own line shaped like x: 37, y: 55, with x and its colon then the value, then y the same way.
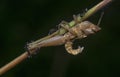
x: 22, y: 21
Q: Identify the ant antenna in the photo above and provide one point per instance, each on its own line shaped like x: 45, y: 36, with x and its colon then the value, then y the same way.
x: 100, y: 18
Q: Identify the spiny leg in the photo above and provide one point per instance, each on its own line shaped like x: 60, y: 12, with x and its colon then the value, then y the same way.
x: 70, y: 50
x: 66, y: 26
x: 74, y: 31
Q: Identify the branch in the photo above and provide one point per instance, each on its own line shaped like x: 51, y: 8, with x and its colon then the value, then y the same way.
x: 25, y: 55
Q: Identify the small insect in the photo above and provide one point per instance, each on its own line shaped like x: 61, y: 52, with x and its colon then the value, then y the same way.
x: 79, y: 31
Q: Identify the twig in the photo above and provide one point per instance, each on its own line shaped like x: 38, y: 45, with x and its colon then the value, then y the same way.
x: 22, y: 57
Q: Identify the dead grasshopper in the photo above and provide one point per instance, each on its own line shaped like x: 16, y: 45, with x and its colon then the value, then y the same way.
x: 79, y: 31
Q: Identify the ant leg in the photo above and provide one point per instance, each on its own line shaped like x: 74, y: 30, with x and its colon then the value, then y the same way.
x: 70, y: 50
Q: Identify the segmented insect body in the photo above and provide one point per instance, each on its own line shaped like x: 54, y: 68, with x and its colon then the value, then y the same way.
x: 70, y: 50
x: 81, y: 30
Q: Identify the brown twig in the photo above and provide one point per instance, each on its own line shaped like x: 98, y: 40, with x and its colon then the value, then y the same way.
x: 22, y: 57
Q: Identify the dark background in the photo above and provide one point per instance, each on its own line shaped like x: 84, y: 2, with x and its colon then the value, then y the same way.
x: 22, y: 21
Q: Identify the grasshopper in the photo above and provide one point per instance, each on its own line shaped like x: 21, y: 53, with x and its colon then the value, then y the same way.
x: 79, y: 31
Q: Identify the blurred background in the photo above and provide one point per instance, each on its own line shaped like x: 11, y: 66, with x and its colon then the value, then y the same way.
x: 23, y: 21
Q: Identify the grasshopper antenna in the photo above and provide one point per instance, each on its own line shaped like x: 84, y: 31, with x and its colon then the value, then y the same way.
x: 101, y: 16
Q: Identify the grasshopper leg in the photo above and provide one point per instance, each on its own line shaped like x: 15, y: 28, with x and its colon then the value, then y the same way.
x: 66, y: 26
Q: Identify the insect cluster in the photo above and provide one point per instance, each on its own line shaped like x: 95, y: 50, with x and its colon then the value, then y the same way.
x: 79, y: 31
